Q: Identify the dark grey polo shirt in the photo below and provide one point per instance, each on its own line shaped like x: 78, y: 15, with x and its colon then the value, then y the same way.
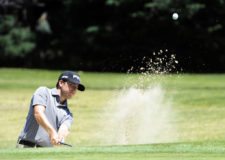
x: 56, y: 113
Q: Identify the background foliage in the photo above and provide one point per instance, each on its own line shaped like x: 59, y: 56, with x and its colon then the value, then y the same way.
x: 111, y: 35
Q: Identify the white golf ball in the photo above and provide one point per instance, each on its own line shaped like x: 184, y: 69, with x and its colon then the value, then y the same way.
x: 175, y: 16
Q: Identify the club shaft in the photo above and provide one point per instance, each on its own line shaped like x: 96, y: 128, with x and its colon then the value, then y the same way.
x: 65, y: 144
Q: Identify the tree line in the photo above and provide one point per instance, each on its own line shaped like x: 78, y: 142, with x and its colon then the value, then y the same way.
x: 111, y: 35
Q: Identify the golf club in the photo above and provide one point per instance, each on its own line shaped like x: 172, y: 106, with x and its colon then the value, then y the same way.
x: 65, y: 144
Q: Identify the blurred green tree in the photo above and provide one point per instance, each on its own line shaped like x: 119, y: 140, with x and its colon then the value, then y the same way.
x: 15, y: 40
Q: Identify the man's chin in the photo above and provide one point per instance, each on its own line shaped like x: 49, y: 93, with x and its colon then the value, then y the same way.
x: 70, y: 96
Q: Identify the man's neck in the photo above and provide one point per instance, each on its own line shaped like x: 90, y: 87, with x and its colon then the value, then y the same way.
x: 61, y: 98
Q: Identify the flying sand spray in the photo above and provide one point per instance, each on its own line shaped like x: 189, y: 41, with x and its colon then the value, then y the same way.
x: 142, y: 114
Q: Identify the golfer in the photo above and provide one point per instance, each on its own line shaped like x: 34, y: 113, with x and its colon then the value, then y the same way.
x: 49, y: 118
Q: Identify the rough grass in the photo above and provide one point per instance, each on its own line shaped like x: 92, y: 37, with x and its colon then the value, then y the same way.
x: 198, y: 103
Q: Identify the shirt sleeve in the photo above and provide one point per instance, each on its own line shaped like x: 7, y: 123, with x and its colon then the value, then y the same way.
x: 40, y: 97
x: 67, y: 120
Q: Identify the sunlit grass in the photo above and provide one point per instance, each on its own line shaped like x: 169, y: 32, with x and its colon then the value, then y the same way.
x: 186, y: 151
x: 198, y: 103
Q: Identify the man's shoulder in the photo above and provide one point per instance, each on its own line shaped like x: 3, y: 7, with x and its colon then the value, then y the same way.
x: 42, y: 89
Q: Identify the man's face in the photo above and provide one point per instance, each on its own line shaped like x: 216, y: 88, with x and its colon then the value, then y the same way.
x: 68, y: 89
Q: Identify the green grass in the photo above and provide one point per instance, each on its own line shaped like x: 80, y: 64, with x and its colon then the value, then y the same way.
x: 182, y: 151
x: 198, y: 102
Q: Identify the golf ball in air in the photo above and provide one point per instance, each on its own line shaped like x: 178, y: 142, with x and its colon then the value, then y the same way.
x: 175, y: 16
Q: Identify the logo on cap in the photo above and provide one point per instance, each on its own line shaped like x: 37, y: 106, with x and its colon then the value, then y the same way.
x: 65, y: 77
x: 76, y: 77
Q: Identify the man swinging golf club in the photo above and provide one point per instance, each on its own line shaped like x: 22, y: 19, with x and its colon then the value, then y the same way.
x: 49, y: 118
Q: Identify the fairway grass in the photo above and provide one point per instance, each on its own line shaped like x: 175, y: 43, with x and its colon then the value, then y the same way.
x: 186, y: 151
x: 197, y: 100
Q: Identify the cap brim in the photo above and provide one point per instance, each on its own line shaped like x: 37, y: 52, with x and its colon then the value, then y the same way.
x: 81, y: 87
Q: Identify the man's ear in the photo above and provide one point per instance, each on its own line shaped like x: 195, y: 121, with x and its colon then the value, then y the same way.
x: 61, y: 83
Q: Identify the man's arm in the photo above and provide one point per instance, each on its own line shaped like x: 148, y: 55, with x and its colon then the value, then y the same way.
x: 63, y: 132
x: 43, y: 121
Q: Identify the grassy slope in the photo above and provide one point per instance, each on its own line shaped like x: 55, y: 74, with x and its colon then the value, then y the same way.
x: 198, y: 151
x: 198, y: 102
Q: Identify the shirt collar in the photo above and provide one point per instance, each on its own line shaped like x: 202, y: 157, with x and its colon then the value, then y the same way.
x: 55, y: 93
